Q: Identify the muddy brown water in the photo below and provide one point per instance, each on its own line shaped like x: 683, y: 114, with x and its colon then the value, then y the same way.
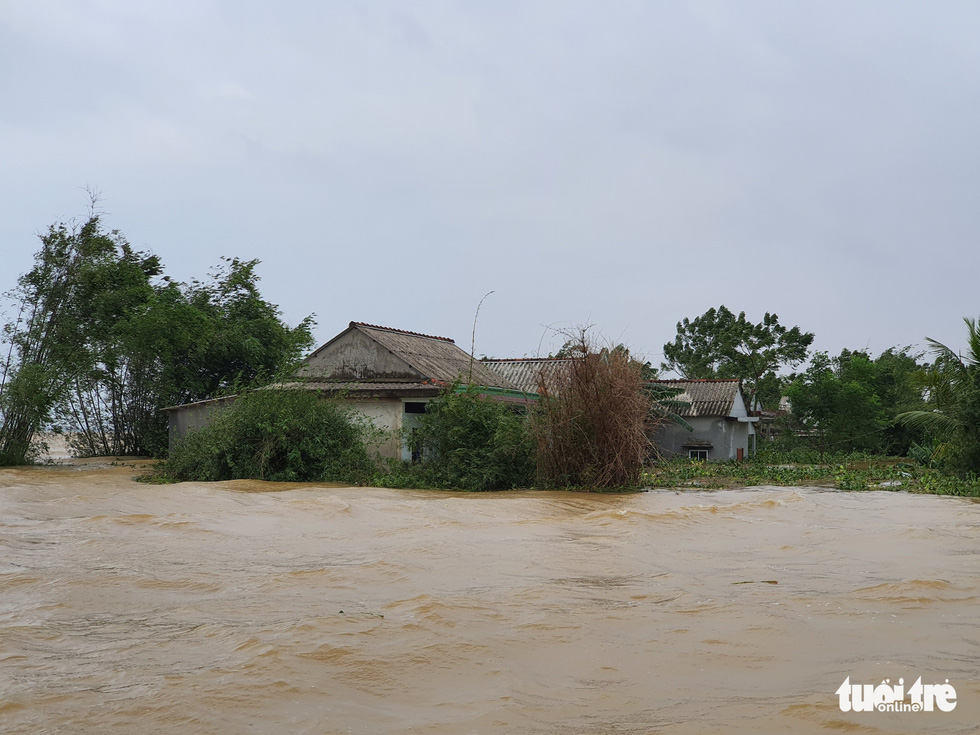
x: 244, y: 607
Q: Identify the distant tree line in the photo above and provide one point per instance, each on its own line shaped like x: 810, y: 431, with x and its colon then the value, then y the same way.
x: 99, y: 340
x: 850, y: 403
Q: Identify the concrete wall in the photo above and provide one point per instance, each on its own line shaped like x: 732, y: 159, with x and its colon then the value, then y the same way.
x: 726, y: 437
x: 193, y: 416
x: 739, y: 409
x: 387, y: 414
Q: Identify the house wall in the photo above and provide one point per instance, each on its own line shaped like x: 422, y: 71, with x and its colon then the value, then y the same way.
x: 193, y: 416
x: 387, y: 414
x: 739, y: 409
x: 355, y: 356
x: 726, y: 437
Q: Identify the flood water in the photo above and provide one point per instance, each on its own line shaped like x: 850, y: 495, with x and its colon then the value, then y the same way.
x: 247, y: 607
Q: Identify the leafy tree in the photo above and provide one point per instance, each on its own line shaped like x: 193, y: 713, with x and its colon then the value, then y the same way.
x: 45, y: 340
x: 102, y: 341
x: 834, y: 402
x: 896, y: 385
x: 770, y: 389
x: 241, y: 338
x: 952, y: 414
x: 107, y: 405
x: 719, y: 344
x: 849, y: 402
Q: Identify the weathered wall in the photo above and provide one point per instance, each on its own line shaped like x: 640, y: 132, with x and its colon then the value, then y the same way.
x: 386, y: 415
x: 193, y: 416
x: 355, y: 356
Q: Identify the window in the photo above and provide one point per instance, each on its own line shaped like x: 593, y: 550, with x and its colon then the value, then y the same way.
x: 414, y: 407
x: 700, y: 455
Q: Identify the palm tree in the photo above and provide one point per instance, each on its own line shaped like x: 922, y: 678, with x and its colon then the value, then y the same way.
x: 952, y: 386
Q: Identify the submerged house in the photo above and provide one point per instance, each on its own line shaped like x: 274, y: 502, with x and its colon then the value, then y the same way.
x: 387, y: 374
x: 717, y: 413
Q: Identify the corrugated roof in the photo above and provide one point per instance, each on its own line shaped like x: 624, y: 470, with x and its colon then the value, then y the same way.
x: 421, y: 357
x: 437, y: 358
x: 704, y: 397
x: 525, y: 373
x: 401, y: 331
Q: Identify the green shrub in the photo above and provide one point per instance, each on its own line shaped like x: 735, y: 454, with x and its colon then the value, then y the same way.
x: 278, y: 435
x: 470, y: 442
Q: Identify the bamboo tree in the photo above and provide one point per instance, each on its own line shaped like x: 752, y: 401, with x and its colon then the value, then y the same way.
x: 102, y: 342
x: 43, y: 339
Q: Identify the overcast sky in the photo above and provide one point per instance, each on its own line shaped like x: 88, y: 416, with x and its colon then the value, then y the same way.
x: 621, y: 164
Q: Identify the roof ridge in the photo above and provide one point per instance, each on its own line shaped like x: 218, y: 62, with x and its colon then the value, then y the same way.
x: 696, y: 380
x: 402, y: 331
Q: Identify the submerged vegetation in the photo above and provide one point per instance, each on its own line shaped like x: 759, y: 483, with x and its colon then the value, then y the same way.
x: 841, y: 472
x: 466, y: 441
x: 277, y: 435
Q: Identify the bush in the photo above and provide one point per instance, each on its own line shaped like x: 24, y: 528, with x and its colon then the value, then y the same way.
x: 278, y: 435
x: 471, y: 442
x: 594, y: 420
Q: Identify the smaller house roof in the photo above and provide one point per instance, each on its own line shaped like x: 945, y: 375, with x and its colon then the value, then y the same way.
x: 704, y: 397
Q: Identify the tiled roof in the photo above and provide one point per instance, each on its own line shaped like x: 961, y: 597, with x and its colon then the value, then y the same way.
x: 704, y: 397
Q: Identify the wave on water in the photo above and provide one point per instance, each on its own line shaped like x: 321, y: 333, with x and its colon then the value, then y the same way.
x: 697, y: 512
x: 915, y: 592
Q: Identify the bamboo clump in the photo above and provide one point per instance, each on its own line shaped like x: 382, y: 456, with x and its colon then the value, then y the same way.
x: 594, y: 420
